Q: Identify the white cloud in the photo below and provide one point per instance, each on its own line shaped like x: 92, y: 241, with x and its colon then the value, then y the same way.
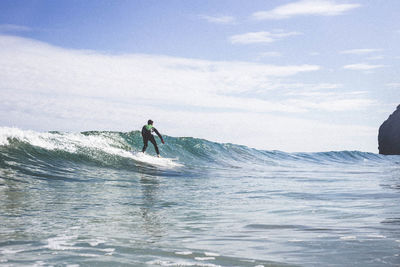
x: 219, y: 19
x: 362, y: 66
x: 306, y: 7
x: 37, y: 67
x: 260, y: 37
x: 361, y: 51
x: 327, y: 97
x: 43, y: 87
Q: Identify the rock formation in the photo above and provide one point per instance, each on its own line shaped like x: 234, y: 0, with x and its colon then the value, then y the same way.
x: 389, y: 134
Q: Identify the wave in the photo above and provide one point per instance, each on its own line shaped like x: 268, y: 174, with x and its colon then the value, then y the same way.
x: 121, y: 150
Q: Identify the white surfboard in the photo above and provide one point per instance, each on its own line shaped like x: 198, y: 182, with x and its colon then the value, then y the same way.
x: 155, y: 161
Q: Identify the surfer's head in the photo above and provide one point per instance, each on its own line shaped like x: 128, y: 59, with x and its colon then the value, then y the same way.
x: 150, y: 122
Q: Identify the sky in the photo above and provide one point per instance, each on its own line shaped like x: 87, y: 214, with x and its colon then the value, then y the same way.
x: 289, y: 75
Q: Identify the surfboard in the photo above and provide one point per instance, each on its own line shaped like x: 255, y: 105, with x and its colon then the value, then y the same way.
x: 155, y: 161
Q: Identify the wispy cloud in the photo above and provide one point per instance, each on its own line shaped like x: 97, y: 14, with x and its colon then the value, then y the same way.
x: 361, y: 51
x: 219, y: 19
x: 143, y: 78
x: 362, y: 66
x: 326, y: 97
x: 305, y: 7
x: 8, y: 28
x: 262, y: 37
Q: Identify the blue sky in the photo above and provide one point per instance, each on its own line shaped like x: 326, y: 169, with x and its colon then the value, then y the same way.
x: 295, y: 75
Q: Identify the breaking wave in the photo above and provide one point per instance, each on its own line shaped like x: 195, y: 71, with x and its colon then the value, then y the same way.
x: 122, y: 150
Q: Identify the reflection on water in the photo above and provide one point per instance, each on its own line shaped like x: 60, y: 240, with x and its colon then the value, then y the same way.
x: 150, y: 209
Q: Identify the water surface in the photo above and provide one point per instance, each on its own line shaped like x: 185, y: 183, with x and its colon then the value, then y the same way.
x: 70, y: 199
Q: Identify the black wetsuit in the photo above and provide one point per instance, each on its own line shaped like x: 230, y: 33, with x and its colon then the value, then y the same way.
x: 147, y: 136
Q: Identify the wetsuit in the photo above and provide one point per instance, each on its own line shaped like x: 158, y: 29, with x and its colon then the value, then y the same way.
x: 147, y: 136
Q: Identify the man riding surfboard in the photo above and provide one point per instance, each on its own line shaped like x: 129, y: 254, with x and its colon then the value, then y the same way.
x: 147, y: 135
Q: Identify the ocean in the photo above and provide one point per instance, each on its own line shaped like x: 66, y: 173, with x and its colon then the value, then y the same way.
x: 91, y: 199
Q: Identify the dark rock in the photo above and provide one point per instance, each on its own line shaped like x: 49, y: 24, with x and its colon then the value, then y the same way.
x: 389, y: 134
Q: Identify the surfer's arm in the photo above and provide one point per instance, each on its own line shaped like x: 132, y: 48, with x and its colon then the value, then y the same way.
x: 159, y: 135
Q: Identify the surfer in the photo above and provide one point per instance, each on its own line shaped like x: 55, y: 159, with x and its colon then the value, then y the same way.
x: 147, y: 135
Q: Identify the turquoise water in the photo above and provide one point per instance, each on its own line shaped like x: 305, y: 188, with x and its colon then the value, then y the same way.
x: 83, y: 199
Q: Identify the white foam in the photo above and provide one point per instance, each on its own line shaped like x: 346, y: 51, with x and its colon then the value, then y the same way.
x: 295, y: 240
x: 181, y: 263
x: 10, y: 251
x: 74, y: 142
x: 109, y: 251
x: 350, y: 237
x: 204, y: 258
x: 60, y: 243
x: 32, y: 137
x: 96, y: 243
x: 88, y: 255
x: 211, y: 254
x: 69, y: 142
x: 376, y: 236
x: 39, y: 263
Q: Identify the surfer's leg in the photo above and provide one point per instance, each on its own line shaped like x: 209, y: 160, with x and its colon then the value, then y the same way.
x: 145, y: 142
x: 153, y: 141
